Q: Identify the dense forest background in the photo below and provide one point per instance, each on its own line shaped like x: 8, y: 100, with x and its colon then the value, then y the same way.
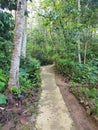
x: 62, y: 32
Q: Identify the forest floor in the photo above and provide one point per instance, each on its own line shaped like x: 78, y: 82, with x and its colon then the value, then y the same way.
x: 58, y: 107
x: 20, y: 112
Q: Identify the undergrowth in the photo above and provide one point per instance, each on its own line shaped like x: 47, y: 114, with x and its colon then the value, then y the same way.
x: 29, y: 77
x: 84, y: 81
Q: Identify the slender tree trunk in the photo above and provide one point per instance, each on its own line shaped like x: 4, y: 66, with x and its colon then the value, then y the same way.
x: 24, y: 38
x: 51, y: 36
x: 15, y: 62
x: 79, y: 47
x: 85, y: 51
x: 79, y: 55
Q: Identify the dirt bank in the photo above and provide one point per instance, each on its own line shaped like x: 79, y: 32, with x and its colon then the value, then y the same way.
x: 78, y: 113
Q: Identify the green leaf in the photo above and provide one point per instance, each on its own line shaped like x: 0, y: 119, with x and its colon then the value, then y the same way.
x: 96, y: 105
x: 2, y: 99
x: 2, y: 84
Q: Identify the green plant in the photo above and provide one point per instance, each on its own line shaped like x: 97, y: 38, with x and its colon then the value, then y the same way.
x: 2, y: 99
x: 64, y: 66
x: 91, y: 93
x: 88, y: 95
x: 2, y: 81
x: 0, y: 126
x: 2, y: 84
x: 29, y: 74
x: 6, y: 39
x: 15, y: 91
x: 96, y: 108
x: 85, y: 73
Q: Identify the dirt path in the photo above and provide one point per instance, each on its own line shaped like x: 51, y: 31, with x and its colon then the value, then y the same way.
x: 82, y: 120
x: 58, y: 108
x: 53, y: 113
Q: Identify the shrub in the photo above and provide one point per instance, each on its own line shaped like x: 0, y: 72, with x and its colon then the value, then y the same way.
x: 81, y: 73
x: 85, y: 73
x: 2, y: 81
x: 42, y: 54
x: 65, y: 67
x: 95, y: 62
x: 89, y: 96
x: 29, y: 73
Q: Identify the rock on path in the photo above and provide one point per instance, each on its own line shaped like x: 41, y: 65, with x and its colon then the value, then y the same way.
x: 53, y: 113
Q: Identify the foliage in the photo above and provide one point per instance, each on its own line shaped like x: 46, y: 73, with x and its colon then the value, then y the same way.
x: 2, y: 99
x: 15, y: 91
x: 9, y: 4
x: 95, y: 62
x: 62, y: 28
x: 3, y: 81
x: 6, y: 39
x: 38, y: 47
x: 64, y: 66
x: 86, y: 74
x: 43, y: 55
x: 88, y: 96
x: 6, y: 25
x: 82, y: 73
x: 29, y: 74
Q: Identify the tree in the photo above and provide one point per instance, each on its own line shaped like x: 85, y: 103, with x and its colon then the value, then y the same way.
x: 15, y: 62
x: 24, y: 37
x: 79, y: 48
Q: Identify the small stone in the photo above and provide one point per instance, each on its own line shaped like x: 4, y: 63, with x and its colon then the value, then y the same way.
x: 86, y: 103
x: 23, y: 121
x: 96, y: 118
x: 88, y: 110
x: 81, y: 101
x: 16, y: 104
x: 2, y: 108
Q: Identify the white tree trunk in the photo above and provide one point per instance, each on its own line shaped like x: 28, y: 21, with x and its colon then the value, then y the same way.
x: 24, y: 38
x: 79, y: 55
x: 15, y: 62
x: 79, y: 5
x: 79, y: 47
x: 85, y: 51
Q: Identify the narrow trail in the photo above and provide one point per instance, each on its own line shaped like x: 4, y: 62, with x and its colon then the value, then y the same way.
x: 58, y: 108
x: 53, y: 113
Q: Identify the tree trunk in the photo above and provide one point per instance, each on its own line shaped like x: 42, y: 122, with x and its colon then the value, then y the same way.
x: 79, y: 48
x: 24, y: 38
x: 85, y: 50
x: 15, y: 62
x: 79, y: 55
